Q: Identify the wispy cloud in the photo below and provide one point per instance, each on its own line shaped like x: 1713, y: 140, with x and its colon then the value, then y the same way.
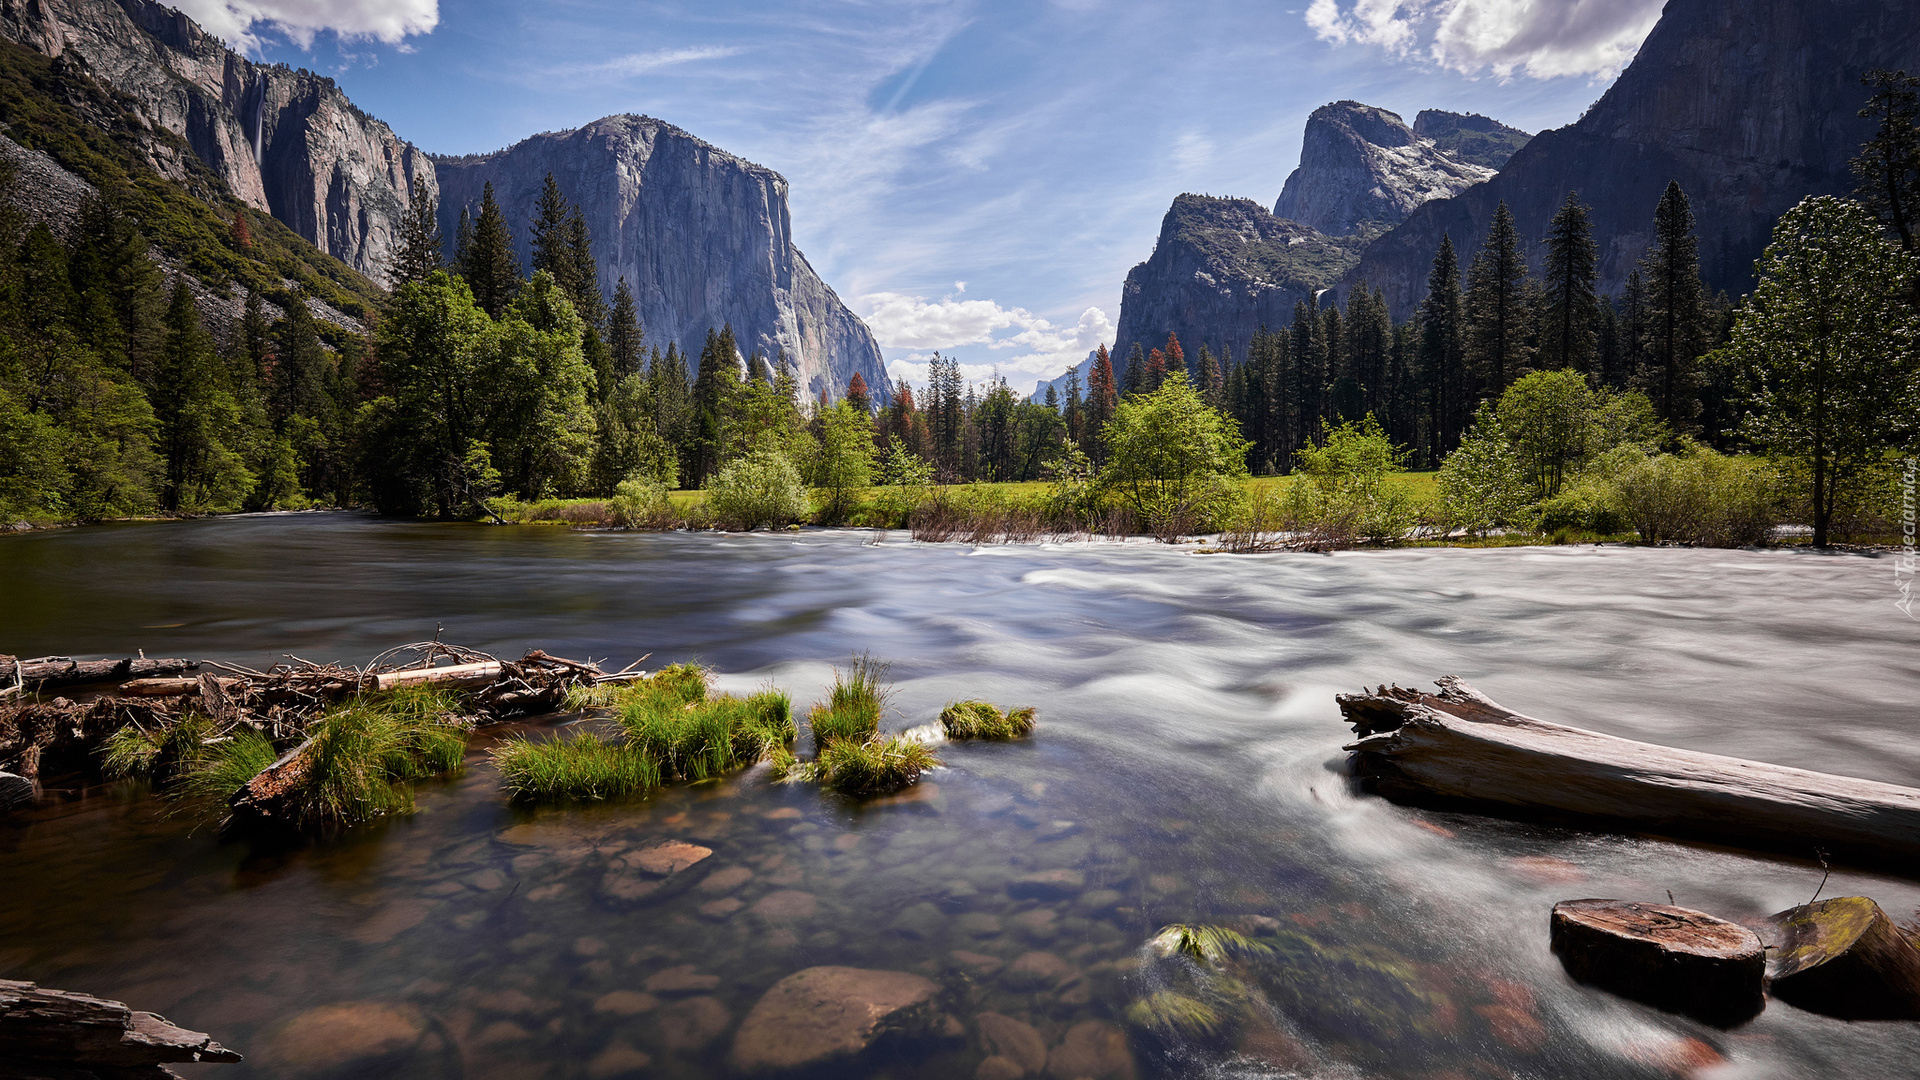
x: 642, y: 62
x: 918, y: 324
x: 1541, y: 38
x: 242, y: 22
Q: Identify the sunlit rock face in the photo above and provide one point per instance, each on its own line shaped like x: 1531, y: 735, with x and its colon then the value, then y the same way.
x: 1361, y: 164
x: 1752, y: 105
x: 283, y: 141
x: 702, y: 237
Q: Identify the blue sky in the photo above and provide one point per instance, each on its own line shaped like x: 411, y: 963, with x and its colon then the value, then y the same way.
x: 973, y: 177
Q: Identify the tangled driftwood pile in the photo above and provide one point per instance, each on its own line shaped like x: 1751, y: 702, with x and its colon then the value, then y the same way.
x: 60, y: 736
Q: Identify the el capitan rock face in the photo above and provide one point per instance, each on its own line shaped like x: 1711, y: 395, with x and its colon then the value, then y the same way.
x: 1750, y: 104
x: 702, y: 237
x: 286, y: 142
x: 1361, y: 164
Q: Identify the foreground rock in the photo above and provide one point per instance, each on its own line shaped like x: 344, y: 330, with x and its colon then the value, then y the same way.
x: 654, y: 873
x: 826, y: 1015
x: 55, y: 1033
x: 1843, y: 957
x: 1669, y: 957
x: 14, y: 791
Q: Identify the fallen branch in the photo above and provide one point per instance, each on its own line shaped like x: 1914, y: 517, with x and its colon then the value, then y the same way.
x: 65, y: 670
x: 1458, y: 745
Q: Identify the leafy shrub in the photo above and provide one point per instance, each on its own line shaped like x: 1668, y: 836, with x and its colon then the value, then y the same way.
x: 1587, y: 505
x: 761, y: 489
x: 1482, y: 486
x: 1696, y: 497
x: 640, y: 503
x: 1178, y: 463
x: 1341, y: 496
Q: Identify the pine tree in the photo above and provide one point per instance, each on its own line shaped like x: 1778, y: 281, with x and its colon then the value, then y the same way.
x: 1134, y: 379
x: 1568, y: 308
x: 548, y: 237
x: 624, y: 336
x: 1307, y: 358
x: 1075, y: 409
x: 1330, y: 345
x: 1889, y: 163
x: 492, y: 269
x: 462, y: 242
x: 1207, y: 378
x: 857, y: 394
x: 1677, y: 309
x: 1498, y: 307
x: 583, y: 274
x: 757, y: 370
x: 255, y: 337
x: 1154, y: 373
x: 416, y: 251
x: 1102, y: 397
x: 714, y: 388
x: 1443, y: 331
x: 1176, y: 357
x: 1636, y: 331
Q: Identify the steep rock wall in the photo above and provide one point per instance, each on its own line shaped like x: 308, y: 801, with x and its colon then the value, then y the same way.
x: 703, y: 238
x: 286, y: 142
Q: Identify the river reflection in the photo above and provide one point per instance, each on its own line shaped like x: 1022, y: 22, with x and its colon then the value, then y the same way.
x: 1187, y: 769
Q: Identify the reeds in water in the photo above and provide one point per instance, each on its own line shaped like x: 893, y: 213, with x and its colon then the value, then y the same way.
x: 981, y: 720
x: 874, y: 766
x: 854, y: 704
x: 585, y: 767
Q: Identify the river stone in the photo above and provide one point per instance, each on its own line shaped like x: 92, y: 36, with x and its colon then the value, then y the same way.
x: 921, y: 921
x: 684, y: 979
x: 1047, y: 885
x: 691, y: 1025
x: 726, y: 879
x: 1039, y: 971
x: 670, y: 858
x: 995, y: 1067
x: 654, y: 873
x: 786, y: 906
x: 362, y: 1034
x: 979, y: 965
x: 1092, y: 1050
x: 824, y: 1015
x: 625, y: 1003
x: 617, y: 1060
x: 1013, y: 1040
x: 1669, y: 957
x: 1843, y: 957
x: 14, y: 791
x: 978, y: 924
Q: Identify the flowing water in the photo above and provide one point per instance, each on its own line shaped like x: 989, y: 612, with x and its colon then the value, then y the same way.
x: 1187, y: 768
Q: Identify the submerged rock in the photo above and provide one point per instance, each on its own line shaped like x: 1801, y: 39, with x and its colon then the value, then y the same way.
x: 1047, y: 885
x: 1672, y: 958
x: 653, y: 873
x: 1014, y: 1041
x: 824, y: 1015
x: 1092, y: 1050
x: 361, y: 1035
x: 1843, y: 957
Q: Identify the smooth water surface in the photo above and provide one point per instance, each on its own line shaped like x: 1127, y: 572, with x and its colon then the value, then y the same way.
x: 1187, y: 766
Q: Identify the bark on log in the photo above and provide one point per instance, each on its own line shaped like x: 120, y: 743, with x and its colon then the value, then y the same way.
x: 453, y: 675
x: 1460, y: 746
x: 62, y: 670
x: 1843, y: 957
x: 1669, y: 957
x: 54, y: 1028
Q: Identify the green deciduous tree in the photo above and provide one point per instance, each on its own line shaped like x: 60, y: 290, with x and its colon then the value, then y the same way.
x: 1176, y: 461
x: 1830, y: 346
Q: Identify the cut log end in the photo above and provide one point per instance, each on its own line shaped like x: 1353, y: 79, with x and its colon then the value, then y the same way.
x: 1844, y: 958
x: 1672, y: 958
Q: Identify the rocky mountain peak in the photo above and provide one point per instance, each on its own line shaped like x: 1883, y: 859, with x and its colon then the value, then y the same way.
x: 1361, y: 165
x: 1469, y: 137
x: 703, y: 238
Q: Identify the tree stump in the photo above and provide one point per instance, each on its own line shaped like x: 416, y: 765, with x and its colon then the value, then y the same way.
x: 1844, y: 958
x: 1669, y: 957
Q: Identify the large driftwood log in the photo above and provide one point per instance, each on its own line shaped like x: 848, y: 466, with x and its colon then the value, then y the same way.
x: 1460, y: 746
x: 1845, y: 958
x: 1672, y: 958
x: 480, y: 674
x: 43, y: 1032
x: 63, y: 670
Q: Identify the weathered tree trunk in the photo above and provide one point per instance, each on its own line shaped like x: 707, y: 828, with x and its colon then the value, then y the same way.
x: 1843, y: 957
x: 53, y: 1032
x: 62, y: 670
x: 1669, y: 957
x: 1460, y: 746
x: 480, y: 674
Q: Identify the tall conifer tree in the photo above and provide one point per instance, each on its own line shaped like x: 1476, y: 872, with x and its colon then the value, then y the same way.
x: 492, y: 269
x: 1499, y: 307
x: 1567, y: 338
x: 1676, y: 308
x: 1443, y: 329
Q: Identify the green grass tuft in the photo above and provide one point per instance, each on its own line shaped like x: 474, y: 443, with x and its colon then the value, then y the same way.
x: 1166, y: 1013
x: 583, y: 768
x: 873, y: 766
x: 1206, y: 944
x: 981, y: 720
x: 220, y: 769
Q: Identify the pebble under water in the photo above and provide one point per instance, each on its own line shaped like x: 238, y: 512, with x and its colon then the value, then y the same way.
x: 1187, y: 769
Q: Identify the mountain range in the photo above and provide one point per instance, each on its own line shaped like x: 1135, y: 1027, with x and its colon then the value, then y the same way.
x: 703, y: 237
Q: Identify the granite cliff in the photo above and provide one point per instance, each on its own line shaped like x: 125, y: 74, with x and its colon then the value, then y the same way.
x: 1360, y: 164
x: 702, y: 237
x: 283, y: 141
x: 1220, y: 270
x: 1750, y: 104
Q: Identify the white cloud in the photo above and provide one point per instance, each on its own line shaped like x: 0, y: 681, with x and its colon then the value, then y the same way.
x: 641, y: 63
x: 922, y: 325
x: 240, y: 22
x: 1542, y: 38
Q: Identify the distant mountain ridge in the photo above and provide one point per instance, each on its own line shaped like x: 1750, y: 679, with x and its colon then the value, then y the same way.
x: 1751, y: 105
x: 285, y: 142
x: 1361, y: 164
x: 703, y: 238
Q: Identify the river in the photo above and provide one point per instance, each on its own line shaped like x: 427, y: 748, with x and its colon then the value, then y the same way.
x: 1187, y: 768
